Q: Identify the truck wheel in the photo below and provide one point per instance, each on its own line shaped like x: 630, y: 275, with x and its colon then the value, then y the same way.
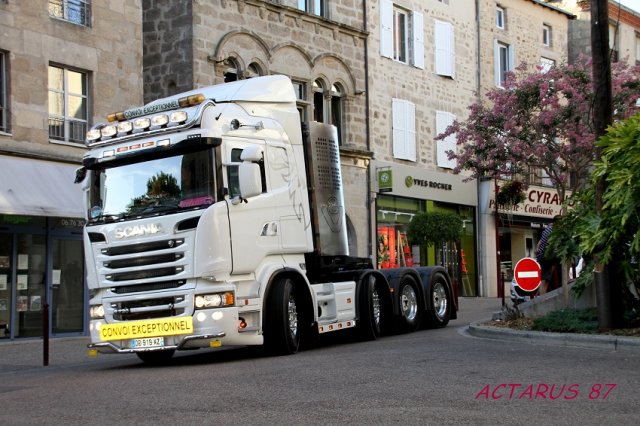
x: 408, y: 299
x: 370, y: 318
x: 439, y: 303
x: 281, y: 333
x: 156, y: 357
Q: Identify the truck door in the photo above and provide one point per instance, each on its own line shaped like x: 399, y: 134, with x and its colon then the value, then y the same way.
x: 253, y: 224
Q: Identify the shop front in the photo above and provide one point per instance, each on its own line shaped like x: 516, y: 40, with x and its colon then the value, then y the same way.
x: 402, y: 193
x: 513, y: 234
x: 41, y: 255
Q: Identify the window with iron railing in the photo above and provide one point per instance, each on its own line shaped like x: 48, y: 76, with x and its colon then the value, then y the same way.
x: 68, y: 104
x: 75, y: 11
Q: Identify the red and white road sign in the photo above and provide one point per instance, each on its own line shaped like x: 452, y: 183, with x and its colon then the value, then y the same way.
x: 528, y: 274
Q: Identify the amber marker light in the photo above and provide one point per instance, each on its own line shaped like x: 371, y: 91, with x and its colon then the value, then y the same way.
x: 192, y: 100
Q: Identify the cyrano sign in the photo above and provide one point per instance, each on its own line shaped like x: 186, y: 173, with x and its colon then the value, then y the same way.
x: 528, y: 274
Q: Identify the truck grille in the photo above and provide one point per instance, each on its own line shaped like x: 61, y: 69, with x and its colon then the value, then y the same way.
x: 138, y: 264
x: 142, y: 247
x: 148, y: 308
x: 139, y: 288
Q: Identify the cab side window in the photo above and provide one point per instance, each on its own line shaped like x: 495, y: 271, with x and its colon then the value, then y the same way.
x: 232, y: 173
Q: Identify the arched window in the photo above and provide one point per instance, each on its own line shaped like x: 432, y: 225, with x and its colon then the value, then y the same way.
x: 318, y: 101
x: 253, y: 70
x: 328, y: 105
x: 231, y: 72
x: 337, y: 109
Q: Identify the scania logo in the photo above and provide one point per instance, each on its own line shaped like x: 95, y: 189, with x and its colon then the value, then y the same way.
x: 138, y: 230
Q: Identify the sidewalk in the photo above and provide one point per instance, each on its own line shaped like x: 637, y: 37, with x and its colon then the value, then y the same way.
x: 27, y: 354
x: 540, y: 306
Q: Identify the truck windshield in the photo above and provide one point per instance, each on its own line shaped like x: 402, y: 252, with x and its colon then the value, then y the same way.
x: 158, y: 186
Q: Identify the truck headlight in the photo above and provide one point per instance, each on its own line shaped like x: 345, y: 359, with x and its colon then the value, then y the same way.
x: 215, y: 300
x: 96, y: 311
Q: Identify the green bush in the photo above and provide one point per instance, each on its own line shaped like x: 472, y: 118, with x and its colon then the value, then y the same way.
x: 568, y: 321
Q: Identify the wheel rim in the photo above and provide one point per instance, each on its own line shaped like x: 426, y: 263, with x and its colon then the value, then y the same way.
x: 409, y: 303
x: 375, y: 302
x: 440, y: 302
x: 293, y: 316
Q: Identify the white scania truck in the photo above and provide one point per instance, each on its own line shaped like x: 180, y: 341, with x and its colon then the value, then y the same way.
x: 215, y: 218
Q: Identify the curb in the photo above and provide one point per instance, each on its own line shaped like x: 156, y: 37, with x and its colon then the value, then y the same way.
x: 606, y: 342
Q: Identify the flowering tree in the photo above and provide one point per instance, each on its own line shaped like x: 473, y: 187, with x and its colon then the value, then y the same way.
x: 540, y: 119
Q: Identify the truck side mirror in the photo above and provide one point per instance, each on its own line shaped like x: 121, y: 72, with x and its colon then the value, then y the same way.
x: 250, y: 180
x: 81, y: 173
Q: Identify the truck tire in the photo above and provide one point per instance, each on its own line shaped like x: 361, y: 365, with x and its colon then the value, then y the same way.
x: 439, y: 311
x: 370, y: 308
x: 282, y: 332
x: 156, y: 357
x: 409, y: 304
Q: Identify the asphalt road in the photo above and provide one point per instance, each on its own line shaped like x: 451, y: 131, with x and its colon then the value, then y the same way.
x: 429, y: 377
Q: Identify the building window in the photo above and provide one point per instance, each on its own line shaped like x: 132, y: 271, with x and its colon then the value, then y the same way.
x: 68, y: 104
x: 546, y: 64
x: 318, y: 101
x: 301, y: 99
x: 253, y: 70
x: 504, y: 60
x: 4, y: 105
x: 614, y: 42
x: 401, y: 34
x: 328, y: 105
x: 500, y: 17
x: 76, y: 11
x: 546, y: 35
x: 444, y: 120
x: 404, y: 130
x: 337, y: 109
x: 637, y: 49
x: 444, y: 49
x: 315, y: 7
x: 231, y: 72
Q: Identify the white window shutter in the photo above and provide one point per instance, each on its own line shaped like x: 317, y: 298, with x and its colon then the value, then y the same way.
x: 404, y: 130
x: 399, y: 130
x: 444, y: 120
x: 418, y: 39
x: 444, y: 49
x: 496, y: 63
x: 386, y: 28
x: 411, y: 131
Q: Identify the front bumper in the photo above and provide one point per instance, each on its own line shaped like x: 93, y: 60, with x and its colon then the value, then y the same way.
x: 212, y: 328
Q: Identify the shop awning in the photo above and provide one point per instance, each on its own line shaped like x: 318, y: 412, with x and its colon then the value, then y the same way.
x: 39, y: 188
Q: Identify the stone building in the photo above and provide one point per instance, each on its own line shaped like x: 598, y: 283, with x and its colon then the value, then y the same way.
x: 422, y: 77
x: 513, y: 32
x: 624, y: 31
x: 320, y: 45
x: 63, y: 65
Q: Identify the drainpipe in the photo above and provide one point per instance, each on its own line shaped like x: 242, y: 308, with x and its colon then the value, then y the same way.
x: 367, y: 128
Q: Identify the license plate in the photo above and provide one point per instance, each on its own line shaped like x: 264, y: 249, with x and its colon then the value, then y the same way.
x: 148, y: 342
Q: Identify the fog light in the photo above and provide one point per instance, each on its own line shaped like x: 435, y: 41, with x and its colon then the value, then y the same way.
x: 96, y: 311
x: 201, y: 317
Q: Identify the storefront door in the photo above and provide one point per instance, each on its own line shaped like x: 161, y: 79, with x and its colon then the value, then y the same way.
x: 30, y: 284
x: 41, y: 263
x: 67, y: 287
x: 6, y: 247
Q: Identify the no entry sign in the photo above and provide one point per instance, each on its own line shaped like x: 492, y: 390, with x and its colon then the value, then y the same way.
x: 528, y: 274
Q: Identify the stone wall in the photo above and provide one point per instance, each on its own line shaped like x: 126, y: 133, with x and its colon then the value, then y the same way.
x: 167, y: 47
x: 109, y: 51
